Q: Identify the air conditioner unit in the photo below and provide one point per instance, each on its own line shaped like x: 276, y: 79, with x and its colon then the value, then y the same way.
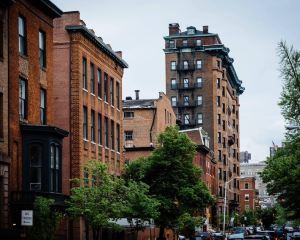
x: 35, y: 187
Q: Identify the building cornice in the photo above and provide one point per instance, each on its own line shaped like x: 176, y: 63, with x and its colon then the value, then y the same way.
x: 100, y: 44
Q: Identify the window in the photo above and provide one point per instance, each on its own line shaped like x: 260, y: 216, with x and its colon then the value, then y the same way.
x: 199, y: 100
x: 106, y: 132
x: 99, y: 84
x: 173, y: 83
x: 198, y: 42
x: 128, y: 135
x: 112, y: 100
x: 224, y: 125
x: 218, y: 64
x: 218, y: 101
x: 22, y: 36
x: 99, y: 129
x: 42, y: 46
x: 233, y: 123
x: 246, y: 186
x: 199, y: 82
x: 200, y: 118
x: 185, y: 65
x: 118, y: 138
x: 43, y: 106
x: 55, y: 172
x: 233, y: 108
x: 171, y: 44
x: 184, y: 43
x: 186, y: 100
x: 219, y: 155
x: 105, y: 87
x: 224, y: 175
x: 220, y: 191
x: 85, y: 123
x: 198, y: 64
x: 223, y: 107
x: 186, y: 119
x: 84, y: 79
x: 118, y: 94
x: 218, y: 82
x: 128, y: 114
x: 224, y: 159
x: 247, y: 197
x: 35, y: 153
x: 185, y: 82
x: 93, y: 132
x: 92, y: 82
x: 224, y: 142
x: 219, y: 119
x: 23, y: 99
x: 1, y: 116
x: 219, y: 137
x: 174, y: 101
x: 223, y: 91
x: 1, y: 37
x: 85, y: 178
x: 220, y: 173
x: 112, y: 134
x: 173, y: 65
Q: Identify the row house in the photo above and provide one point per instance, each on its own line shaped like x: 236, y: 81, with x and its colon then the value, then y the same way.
x: 87, y: 100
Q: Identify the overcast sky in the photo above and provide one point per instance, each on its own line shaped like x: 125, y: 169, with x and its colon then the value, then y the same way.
x: 250, y: 28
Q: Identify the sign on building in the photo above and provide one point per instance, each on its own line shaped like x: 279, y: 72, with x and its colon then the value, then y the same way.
x: 26, y: 218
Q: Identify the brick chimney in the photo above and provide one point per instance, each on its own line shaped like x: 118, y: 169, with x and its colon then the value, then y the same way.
x: 137, y: 94
x: 205, y: 29
x: 173, y: 28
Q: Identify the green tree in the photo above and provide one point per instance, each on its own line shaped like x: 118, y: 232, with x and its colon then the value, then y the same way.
x: 45, y: 220
x: 188, y: 223
x: 290, y: 72
x: 282, y: 173
x: 248, y: 217
x: 99, y: 203
x: 266, y: 216
x: 173, y: 179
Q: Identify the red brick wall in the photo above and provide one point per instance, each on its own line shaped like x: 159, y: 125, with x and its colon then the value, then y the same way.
x: 244, y: 203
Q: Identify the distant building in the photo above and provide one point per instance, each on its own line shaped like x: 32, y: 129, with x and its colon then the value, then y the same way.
x: 247, y: 194
x: 274, y: 148
x: 245, y: 157
x: 144, y: 120
x: 206, y: 161
x: 254, y: 170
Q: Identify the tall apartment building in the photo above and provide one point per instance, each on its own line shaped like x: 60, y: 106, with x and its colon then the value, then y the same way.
x: 144, y: 120
x: 32, y: 141
x: 88, y: 99
x: 204, y: 90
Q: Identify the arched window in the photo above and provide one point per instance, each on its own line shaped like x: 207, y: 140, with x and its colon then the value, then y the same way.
x: 35, y: 153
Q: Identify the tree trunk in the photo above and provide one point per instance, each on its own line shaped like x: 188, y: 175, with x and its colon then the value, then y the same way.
x: 161, y: 233
x: 87, y: 231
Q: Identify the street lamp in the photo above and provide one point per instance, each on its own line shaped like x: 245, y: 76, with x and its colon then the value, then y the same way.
x: 225, y: 201
x: 292, y: 127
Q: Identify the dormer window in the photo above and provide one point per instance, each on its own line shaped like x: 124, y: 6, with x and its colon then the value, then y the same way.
x: 191, y: 31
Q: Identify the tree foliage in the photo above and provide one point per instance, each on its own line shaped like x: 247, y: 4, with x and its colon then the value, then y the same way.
x: 173, y: 179
x: 45, y: 220
x: 108, y: 199
x: 290, y: 72
x: 248, y: 217
x: 266, y: 216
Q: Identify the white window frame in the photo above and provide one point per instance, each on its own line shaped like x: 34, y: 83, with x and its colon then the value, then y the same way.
x: 174, y: 103
x: 173, y: 65
x: 186, y: 100
x: 199, y: 64
x: 200, y: 118
x: 199, y: 100
x: 185, y: 82
x: 186, y: 118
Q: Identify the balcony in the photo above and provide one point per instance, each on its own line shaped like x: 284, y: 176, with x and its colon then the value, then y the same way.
x: 186, y: 67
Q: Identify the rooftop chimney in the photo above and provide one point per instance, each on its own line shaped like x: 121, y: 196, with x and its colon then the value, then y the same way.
x: 119, y: 53
x: 137, y: 95
x: 128, y: 98
x: 173, y: 28
x: 205, y: 29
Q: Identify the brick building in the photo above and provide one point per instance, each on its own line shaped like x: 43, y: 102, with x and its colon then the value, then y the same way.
x: 88, y: 93
x: 33, y: 142
x: 205, y: 160
x: 4, y: 154
x: 248, y: 194
x: 204, y: 90
x: 144, y: 120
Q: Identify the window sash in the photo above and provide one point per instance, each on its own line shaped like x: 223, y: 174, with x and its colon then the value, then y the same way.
x: 128, y: 135
x: 84, y: 77
x: 42, y: 47
x: 92, y: 83
x: 99, y: 129
x: 173, y: 65
x: 118, y: 94
x: 93, y: 137
x: 106, y: 131
x: 85, y: 120
x: 199, y: 64
x: 22, y: 35
x: 112, y: 100
x: 105, y: 87
x: 199, y: 118
x: 186, y: 119
x: 43, y: 106
x: 23, y: 99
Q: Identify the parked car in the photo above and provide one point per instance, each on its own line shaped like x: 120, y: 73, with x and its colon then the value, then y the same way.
x: 256, y: 237
x: 236, y: 236
x: 218, y: 236
x: 203, y: 236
